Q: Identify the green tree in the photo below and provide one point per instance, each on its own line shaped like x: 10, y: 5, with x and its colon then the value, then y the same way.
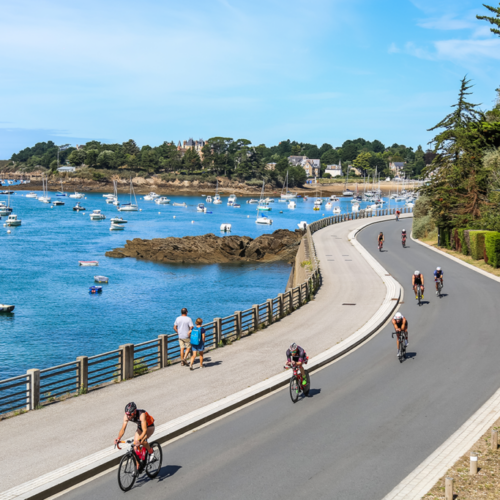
x: 295, y: 150
x: 296, y: 176
x: 191, y: 160
x: 330, y: 157
x: 91, y: 157
x: 105, y: 159
x: 53, y: 165
x: 362, y: 162
x: 77, y: 157
x: 494, y: 21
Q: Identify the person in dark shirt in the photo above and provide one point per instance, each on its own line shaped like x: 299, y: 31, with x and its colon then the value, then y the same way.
x: 296, y: 355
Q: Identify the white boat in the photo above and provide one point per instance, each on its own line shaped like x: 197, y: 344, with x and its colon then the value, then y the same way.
x: 162, y: 200
x: 264, y: 220
x: 5, y: 308
x: 231, y: 200
x: 347, y: 193
x: 97, y: 215
x: 263, y: 207
x: 252, y: 201
x: 101, y: 279
x: 355, y: 207
x: 179, y: 205
x: 151, y: 196
x: 130, y: 207
x: 281, y: 200
x: 12, y: 221
x: 45, y: 198
x: 61, y: 193
x: 285, y: 193
x: 201, y: 208
x: 226, y: 228
x: 328, y: 206
x: 31, y: 195
x: 409, y: 204
x: 77, y: 196
x: 269, y: 200
x: 318, y: 202
x: 111, y: 200
x: 116, y: 227
x: 302, y: 224
x: 5, y: 209
x: 337, y: 210
x: 333, y: 198
x: 88, y: 263
x: 217, y: 200
x: 57, y: 203
x: 208, y: 199
x: 117, y: 220
x: 292, y: 204
x: 108, y: 195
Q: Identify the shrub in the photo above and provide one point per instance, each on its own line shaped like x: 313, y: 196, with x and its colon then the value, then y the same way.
x: 254, y: 182
x: 423, y: 226
x: 477, y: 244
x: 326, y: 176
x: 467, y: 241
x: 444, y: 234
x: 462, y: 244
x: 492, y: 245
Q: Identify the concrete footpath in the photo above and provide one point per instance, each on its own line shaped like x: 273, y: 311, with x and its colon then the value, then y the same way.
x: 50, y: 438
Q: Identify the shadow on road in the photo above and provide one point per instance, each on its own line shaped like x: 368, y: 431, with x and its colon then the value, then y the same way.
x: 168, y: 471
x: 313, y: 392
x: 411, y: 355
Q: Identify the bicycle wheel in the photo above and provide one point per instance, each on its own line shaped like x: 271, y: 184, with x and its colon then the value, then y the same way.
x: 294, y: 389
x: 402, y: 352
x: 419, y: 295
x: 153, y: 468
x: 127, y: 472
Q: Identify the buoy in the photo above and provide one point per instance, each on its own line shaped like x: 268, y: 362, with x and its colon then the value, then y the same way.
x: 192, y: 222
x: 248, y: 216
x: 51, y: 207
x: 140, y: 209
x: 159, y: 213
x: 85, y: 197
x: 174, y: 216
x: 8, y: 231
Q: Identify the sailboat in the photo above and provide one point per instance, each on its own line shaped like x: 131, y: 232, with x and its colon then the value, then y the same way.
x: 45, y: 198
x: 347, y: 192
x: 262, y: 219
x: 130, y: 207
x: 61, y: 193
x: 217, y: 200
x: 287, y: 195
x: 5, y: 209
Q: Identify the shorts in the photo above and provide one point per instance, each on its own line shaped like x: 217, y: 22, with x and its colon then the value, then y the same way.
x: 198, y: 348
x: 139, y: 428
x: 296, y: 359
x: 186, y: 343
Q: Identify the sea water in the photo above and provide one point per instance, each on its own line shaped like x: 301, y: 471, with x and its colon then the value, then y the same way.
x: 56, y: 320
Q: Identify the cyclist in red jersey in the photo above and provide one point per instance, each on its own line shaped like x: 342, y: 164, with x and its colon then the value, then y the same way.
x: 145, y: 427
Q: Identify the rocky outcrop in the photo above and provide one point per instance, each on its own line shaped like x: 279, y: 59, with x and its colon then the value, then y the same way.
x: 209, y: 249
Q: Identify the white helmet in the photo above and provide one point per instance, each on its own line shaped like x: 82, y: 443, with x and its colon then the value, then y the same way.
x: 404, y: 230
x: 438, y: 269
x: 416, y: 273
x: 398, y: 316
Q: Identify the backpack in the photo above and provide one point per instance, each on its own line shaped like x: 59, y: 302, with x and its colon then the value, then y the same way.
x: 196, y: 335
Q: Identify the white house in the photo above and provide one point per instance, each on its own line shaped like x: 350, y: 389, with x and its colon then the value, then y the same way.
x: 333, y: 170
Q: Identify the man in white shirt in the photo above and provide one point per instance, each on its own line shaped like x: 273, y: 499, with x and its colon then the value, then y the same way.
x: 183, y: 326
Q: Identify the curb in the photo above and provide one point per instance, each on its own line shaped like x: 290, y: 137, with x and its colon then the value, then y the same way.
x: 85, y: 468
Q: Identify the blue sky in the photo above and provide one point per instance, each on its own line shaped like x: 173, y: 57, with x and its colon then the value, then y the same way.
x: 265, y: 70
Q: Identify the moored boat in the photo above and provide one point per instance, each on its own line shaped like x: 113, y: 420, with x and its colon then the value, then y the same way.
x: 97, y: 215
x: 162, y: 200
x: 6, y: 308
x: 12, y: 221
x: 87, y: 263
x: 101, y: 279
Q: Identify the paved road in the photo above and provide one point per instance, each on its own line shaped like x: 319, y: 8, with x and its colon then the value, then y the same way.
x: 370, y: 420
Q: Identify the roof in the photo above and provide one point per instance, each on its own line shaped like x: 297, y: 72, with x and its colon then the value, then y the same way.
x: 66, y: 169
x: 190, y: 142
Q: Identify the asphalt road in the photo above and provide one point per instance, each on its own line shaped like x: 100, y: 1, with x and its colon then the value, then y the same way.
x: 369, y: 421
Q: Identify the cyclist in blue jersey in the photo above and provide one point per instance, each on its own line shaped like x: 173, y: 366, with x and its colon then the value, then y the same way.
x: 295, y: 354
x: 438, y: 277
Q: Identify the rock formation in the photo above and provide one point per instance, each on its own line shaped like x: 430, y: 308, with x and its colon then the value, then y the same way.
x: 209, y: 249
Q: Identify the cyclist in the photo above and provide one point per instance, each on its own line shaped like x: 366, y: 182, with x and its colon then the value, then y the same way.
x: 418, y: 279
x: 145, y: 427
x: 401, y: 325
x: 403, y: 236
x: 380, y: 239
x: 398, y: 213
x: 296, y: 355
x: 438, y: 277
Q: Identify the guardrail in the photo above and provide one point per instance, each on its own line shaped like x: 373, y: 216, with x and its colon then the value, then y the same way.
x: 39, y: 387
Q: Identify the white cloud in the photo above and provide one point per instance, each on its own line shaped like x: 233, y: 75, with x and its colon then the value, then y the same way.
x: 467, y: 50
x: 393, y: 48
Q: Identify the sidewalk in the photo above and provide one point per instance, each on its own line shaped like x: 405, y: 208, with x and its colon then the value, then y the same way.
x: 65, y: 432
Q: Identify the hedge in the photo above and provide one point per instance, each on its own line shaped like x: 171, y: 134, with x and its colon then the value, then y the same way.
x: 462, y: 247
x: 444, y: 233
x: 492, y: 245
x: 477, y: 244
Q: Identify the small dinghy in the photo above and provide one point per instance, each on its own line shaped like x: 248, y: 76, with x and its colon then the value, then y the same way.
x: 179, y: 205
x: 118, y: 220
x: 58, y: 203
x: 116, y: 227
x: 101, y: 279
x: 95, y: 289
x: 4, y: 308
x: 88, y: 262
x: 226, y: 228
x: 78, y: 207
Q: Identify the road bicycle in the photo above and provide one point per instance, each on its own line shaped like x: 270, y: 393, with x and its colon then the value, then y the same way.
x: 439, y: 288
x: 380, y: 245
x: 403, y: 241
x: 135, y: 462
x: 419, y: 294
x: 296, y: 385
x: 402, y: 345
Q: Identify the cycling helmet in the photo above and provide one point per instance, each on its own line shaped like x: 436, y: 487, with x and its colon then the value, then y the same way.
x: 438, y: 269
x: 293, y: 347
x: 404, y: 230
x: 416, y: 273
x: 398, y: 316
x: 130, y: 408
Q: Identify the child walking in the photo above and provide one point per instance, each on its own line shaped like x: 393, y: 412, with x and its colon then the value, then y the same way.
x: 197, y: 342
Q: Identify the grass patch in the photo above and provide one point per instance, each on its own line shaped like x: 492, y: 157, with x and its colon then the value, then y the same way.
x: 484, y: 485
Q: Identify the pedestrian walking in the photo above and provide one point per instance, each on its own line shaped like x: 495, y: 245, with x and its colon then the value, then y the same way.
x: 197, y: 342
x: 183, y: 326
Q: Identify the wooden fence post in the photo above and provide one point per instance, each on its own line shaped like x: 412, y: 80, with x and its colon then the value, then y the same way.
x: 163, y: 349
x: 218, y: 331
x: 237, y: 324
x: 281, y: 305
x: 127, y: 352
x: 83, y: 373
x: 33, y: 387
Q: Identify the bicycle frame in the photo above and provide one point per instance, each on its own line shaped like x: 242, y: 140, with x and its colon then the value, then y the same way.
x: 142, y: 462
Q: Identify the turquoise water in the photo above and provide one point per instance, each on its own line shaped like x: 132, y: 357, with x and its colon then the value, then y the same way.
x: 56, y: 319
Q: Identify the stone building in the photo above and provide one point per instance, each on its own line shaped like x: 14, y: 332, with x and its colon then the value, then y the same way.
x: 190, y: 144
